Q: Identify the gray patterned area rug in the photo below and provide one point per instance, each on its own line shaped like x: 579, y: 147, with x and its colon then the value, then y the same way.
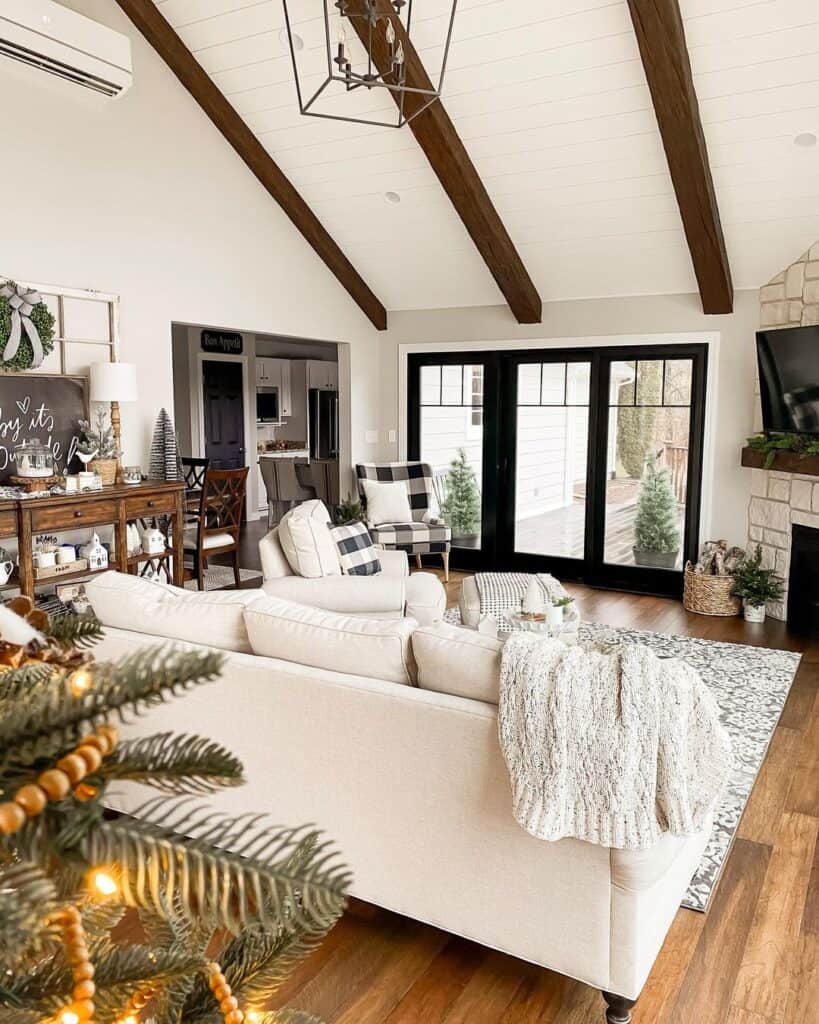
x: 220, y: 577
x: 750, y: 685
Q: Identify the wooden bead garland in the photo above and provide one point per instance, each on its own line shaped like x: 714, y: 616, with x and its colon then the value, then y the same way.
x: 81, y: 1007
x: 137, y: 1001
x: 223, y: 996
x: 55, y: 783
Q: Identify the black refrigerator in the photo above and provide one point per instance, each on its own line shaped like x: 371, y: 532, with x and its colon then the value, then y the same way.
x: 323, y: 426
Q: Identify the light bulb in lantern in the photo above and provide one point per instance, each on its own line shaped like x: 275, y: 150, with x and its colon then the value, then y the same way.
x: 80, y: 682
x: 102, y: 883
x: 390, y: 33
x: 399, y: 54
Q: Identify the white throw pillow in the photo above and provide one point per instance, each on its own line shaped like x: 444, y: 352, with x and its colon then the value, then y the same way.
x: 459, y: 661
x: 387, y: 502
x: 304, y: 534
x: 214, y: 618
x: 377, y: 648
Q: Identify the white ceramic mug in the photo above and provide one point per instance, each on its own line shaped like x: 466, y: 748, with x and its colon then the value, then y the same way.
x: 45, y: 559
x: 6, y: 569
x: 66, y: 553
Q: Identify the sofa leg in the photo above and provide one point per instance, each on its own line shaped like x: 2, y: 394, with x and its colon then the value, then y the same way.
x: 418, y: 563
x: 618, y: 1009
x: 445, y: 557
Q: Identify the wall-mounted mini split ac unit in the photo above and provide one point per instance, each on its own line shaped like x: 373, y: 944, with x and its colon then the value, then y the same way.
x: 51, y: 38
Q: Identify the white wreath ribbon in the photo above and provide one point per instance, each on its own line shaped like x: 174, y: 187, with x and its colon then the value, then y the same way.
x: 22, y: 302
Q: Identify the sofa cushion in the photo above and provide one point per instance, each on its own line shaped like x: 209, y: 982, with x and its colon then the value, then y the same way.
x: 214, y: 618
x: 356, y: 551
x: 304, y: 534
x: 378, y: 648
x: 387, y: 502
x: 454, y: 660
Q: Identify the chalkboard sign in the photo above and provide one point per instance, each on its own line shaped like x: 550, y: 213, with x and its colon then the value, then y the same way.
x: 227, y: 343
x: 42, y: 407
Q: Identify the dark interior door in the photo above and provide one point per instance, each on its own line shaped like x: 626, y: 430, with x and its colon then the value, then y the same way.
x: 222, y: 395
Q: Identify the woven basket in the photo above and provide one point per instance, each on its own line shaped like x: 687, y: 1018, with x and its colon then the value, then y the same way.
x: 709, y: 595
x: 106, y: 469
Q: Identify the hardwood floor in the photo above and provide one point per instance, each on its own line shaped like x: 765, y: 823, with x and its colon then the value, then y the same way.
x: 752, y: 959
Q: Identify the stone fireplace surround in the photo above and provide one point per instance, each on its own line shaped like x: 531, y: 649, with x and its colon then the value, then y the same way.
x: 778, y: 501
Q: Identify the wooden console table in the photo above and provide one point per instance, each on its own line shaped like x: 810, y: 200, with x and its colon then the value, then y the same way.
x: 112, y: 506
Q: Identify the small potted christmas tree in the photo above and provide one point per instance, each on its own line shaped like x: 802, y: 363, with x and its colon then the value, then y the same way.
x: 756, y: 586
x: 656, y: 533
x: 461, y: 509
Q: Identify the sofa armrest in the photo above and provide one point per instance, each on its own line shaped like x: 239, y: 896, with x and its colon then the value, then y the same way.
x: 352, y: 595
x: 393, y: 563
x: 274, y: 563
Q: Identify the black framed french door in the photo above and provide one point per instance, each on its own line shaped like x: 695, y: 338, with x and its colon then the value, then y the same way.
x: 586, y: 463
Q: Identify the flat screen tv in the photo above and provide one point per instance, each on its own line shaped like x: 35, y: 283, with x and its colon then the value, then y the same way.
x: 789, y: 379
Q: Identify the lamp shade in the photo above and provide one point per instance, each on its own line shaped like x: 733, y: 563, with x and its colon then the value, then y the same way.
x: 113, y: 382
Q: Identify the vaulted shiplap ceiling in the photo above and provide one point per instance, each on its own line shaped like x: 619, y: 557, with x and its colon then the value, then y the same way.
x: 552, y: 104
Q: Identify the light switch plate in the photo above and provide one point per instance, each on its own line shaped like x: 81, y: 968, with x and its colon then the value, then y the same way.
x: 393, y: 437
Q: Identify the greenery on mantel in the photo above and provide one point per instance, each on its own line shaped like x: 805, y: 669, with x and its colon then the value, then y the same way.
x: 802, y: 445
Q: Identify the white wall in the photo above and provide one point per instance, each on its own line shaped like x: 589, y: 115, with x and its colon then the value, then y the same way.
x: 142, y: 197
x: 732, y: 377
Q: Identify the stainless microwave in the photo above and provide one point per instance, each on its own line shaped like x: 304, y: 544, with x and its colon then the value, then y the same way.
x: 267, y: 405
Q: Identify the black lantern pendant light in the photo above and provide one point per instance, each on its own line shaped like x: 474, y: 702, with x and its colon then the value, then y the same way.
x: 367, y: 45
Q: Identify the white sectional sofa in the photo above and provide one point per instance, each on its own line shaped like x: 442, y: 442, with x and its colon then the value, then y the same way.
x: 407, y: 779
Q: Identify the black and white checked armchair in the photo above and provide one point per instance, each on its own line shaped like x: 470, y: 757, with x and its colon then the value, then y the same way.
x: 418, y: 537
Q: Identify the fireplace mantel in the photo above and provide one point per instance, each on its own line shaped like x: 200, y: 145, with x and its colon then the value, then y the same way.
x: 784, y: 462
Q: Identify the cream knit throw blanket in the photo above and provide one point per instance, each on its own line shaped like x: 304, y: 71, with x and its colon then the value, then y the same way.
x: 612, y: 748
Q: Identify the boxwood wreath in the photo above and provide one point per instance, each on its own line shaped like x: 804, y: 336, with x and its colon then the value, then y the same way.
x: 41, y: 319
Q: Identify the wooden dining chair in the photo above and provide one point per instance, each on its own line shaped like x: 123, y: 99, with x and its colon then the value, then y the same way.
x: 194, y: 471
x: 218, y: 527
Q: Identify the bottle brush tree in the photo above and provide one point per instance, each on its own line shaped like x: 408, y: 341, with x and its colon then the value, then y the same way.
x: 461, y: 509
x: 656, y: 525
x: 221, y: 907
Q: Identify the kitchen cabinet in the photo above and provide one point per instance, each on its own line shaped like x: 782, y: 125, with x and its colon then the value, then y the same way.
x: 322, y: 374
x: 275, y: 373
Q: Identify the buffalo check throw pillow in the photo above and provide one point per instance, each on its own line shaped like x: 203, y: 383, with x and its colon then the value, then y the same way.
x: 356, y: 551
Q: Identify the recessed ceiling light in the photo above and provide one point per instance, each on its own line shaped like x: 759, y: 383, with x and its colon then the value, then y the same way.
x: 805, y: 139
x: 298, y: 42
x: 392, y: 197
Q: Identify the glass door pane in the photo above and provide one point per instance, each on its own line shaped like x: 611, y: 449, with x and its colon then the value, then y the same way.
x: 451, y: 441
x: 550, y: 458
x: 649, y: 420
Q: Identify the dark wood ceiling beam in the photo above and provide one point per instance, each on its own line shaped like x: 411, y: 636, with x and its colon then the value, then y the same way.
x: 447, y: 155
x: 660, y: 35
x: 159, y: 33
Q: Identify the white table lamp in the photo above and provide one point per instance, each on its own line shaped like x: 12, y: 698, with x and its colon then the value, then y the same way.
x: 114, y: 383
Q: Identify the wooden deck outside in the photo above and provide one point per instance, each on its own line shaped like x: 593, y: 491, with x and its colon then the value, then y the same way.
x: 561, y: 532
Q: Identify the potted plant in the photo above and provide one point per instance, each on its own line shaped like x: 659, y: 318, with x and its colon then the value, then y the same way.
x: 564, y: 606
x: 656, y: 533
x: 461, y: 509
x: 98, y: 444
x: 756, y: 586
x: 349, y: 511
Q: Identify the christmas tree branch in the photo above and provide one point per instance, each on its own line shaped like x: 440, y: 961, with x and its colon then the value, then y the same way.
x: 27, y: 895
x: 75, y: 630
x: 120, y: 972
x: 226, y: 871
x: 174, y: 764
x: 55, y: 717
